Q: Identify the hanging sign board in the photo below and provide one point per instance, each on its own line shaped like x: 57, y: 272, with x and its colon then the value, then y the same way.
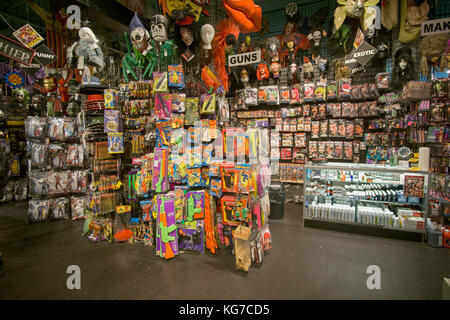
x: 44, y: 55
x: 15, y: 51
x: 435, y: 26
x: 360, y: 56
x: 28, y: 36
x: 244, y: 58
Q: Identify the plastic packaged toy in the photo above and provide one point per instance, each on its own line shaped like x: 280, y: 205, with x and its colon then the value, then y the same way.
x: 244, y: 178
x: 178, y: 102
x: 208, y: 103
x: 57, y: 156
x: 216, y: 187
x: 191, y: 236
x: 115, y: 143
x: 163, y: 105
x: 56, y: 129
x: 166, y: 228
x: 176, y: 76
x: 308, y: 91
x: 77, y: 207
x: 38, y: 152
x: 35, y: 127
x: 160, y: 82
x: 251, y: 97
x: 273, y: 96
x: 111, y: 97
x: 229, y: 178
x: 320, y: 91
x: 159, y: 172
x: 75, y: 155
x: 194, y: 177
x: 345, y: 88
x: 112, y: 121
x: 60, y: 209
x: 332, y: 90
x: 192, y: 111
x: 195, y: 205
x: 38, y: 210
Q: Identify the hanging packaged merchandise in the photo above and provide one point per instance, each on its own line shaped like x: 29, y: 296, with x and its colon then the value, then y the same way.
x: 192, y: 111
x: 224, y: 109
x: 244, y: 178
x: 320, y: 91
x: 348, y: 150
x: 159, y: 172
x: 329, y: 150
x: 323, y: 129
x: 57, y: 156
x: 38, y: 210
x: 262, y: 95
x: 75, y: 155
x: 332, y: 91
x: 191, y: 236
x: 338, y: 149
x: 315, y: 128
x: 115, y: 143
x: 194, y: 157
x: 122, y: 232
x: 194, y: 177
x: 70, y: 128
x: 76, y: 181
x: 147, y: 209
x: 111, y: 97
x: 207, y: 154
x: 345, y: 87
x: 273, y: 95
x: 195, y: 207
x: 285, y: 95
x: 206, y: 132
x: 205, y: 180
x: 38, y: 154
x: 178, y: 100
x: 229, y: 178
x: 112, y: 121
x: 176, y: 76
x: 382, y: 80
x: 177, y: 168
x: 163, y: 133
x: 235, y: 210
x: 77, y: 207
x: 163, y: 105
x: 60, y: 209
x: 296, y: 95
x: 216, y: 187
x: 160, y: 82
x: 179, y: 199
x: 266, y: 237
x: 36, y: 127
x: 20, y: 190
x: 308, y: 91
x: 214, y: 169
x: 38, y: 183
x: 166, y: 228
x: 251, y: 97
x: 55, y: 129
x: 208, y: 103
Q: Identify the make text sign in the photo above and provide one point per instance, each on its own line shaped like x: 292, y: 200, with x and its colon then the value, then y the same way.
x: 435, y: 27
x: 15, y: 51
x: 244, y: 58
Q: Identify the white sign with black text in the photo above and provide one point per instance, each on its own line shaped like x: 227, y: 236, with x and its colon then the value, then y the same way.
x: 244, y: 58
x: 435, y: 27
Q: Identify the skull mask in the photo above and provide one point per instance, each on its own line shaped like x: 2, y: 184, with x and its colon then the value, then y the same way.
x: 159, y: 28
x: 139, y: 38
x: 291, y: 9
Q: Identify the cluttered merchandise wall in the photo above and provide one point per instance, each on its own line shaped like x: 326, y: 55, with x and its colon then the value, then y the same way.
x: 169, y: 133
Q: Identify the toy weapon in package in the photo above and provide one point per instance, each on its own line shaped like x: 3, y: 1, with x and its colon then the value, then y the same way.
x: 211, y: 81
x: 191, y: 236
x: 160, y: 82
x: 160, y: 163
x: 163, y: 105
x: 208, y: 103
x: 229, y: 178
x: 195, y: 205
x: 176, y: 76
x: 167, y: 243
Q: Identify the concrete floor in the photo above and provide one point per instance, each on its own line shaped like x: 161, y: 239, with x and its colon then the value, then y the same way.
x: 304, y: 263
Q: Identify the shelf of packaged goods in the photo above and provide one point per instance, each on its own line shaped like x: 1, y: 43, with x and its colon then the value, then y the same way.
x: 296, y: 182
x: 357, y: 182
x: 367, y: 201
x: 365, y: 225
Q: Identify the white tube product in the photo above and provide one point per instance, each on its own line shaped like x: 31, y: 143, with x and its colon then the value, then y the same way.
x: 424, y: 158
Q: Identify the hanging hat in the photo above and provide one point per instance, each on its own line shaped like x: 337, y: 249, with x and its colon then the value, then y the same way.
x: 136, y: 23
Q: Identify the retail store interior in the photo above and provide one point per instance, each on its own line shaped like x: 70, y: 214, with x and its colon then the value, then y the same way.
x: 218, y: 149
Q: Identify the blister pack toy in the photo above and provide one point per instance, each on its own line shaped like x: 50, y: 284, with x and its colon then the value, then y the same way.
x: 216, y: 188
x: 77, y: 207
x: 176, y: 76
x: 192, y: 111
x: 163, y: 105
x: 38, y: 154
x: 205, y: 177
x: 235, y: 210
x: 177, y: 168
x: 60, y: 209
x: 345, y: 87
x: 251, y: 97
x: 163, y: 133
x: 296, y: 95
x: 191, y: 236
x: 178, y: 100
x: 177, y: 141
x: 177, y: 121
x: 195, y: 205
x: 111, y: 97
x: 332, y: 90
x: 207, y: 156
x: 112, y: 121
x: 160, y: 82
x: 229, y: 178
x: 262, y: 95
x: 159, y: 172
x: 38, y: 210
x: 285, y: 95
x: 194, y: 177
x: 320, y: 91
x: 166, y: 228
x: 214, y: 169
x: 273, y: 95
x: 308, y: 91
x: 36, y: 127
x: 115, y: 143
x: 179, y: 198
x: 194, y: 157
x: 208, y: 103
x: 75, y: 155
x: 244, y: 175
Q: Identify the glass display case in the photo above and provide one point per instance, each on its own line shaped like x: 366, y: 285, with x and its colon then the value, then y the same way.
x: 363, y: 195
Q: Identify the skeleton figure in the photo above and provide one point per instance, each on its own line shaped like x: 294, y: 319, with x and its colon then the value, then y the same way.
x: 86, y: 54
x: 159, y: 32
x: 315, y: 41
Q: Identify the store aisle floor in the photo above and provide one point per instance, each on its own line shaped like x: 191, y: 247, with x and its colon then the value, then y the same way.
x: 305, y: 263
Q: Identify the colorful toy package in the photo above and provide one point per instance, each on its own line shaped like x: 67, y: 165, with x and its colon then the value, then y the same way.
x: 191, y: 236
x: 345, y: 87
x: 216, y: 187
x: 179, y: 199
x: 308, y: 92
x: 160, y: 166
x: 214, y: 169
x: 244, y: 178
x: 163, y: 105
x: 115, y: 143
x: 178, y: 102
x: 177, y: 168
x: 160, y: 82
x: 112, y: 121
x: 163, y: 133
x: 208, y: 103
x: 176, y: 76
x: 235, y: 210
x: 320, y: 92
x: 195, y: 208
x: 166, y: 228
x: 332, y: 90
x: 194, y: 177
x: 205, y: 177
x: 111, y: 97
x: 229, y: 178
x: 194, y: 157
x: 192, y: 111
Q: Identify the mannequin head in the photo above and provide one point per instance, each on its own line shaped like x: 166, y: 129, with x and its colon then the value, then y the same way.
x: 207, y: 33
x: 87, y: 36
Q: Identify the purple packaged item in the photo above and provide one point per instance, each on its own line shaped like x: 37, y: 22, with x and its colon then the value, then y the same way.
x: 166, y: 205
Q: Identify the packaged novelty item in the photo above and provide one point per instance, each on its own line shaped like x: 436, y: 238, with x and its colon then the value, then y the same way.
x: 348, y: 150
x: 159, y: 171
x: 216, y: 188
x: 235, y: 210
x: 38, y: 183
x: 121, y: 227
x: 195, y: 208
x: 359, y: 128
x: 35, y: 127
x: 38, y: 210
x: 332, y: 90
x: 273, y: 96
x: 38, y: 153
x: 194, y: 177
x: 57, y: 156
x: 382, y: 80
x: 77, y: 207
x: 338, y: 149
x: 324, y: 129
x: 286, y: 153
x: 308, y: 92
x: 208, y: 103
x: 160, y: 82
x: 300, y: 140
x: 191, y: 236
x: 298, y: 156
x: 300, y: 124
x: 251, y: 97
x: 341, y: 128
x: 176, y: 76
x: 177, y: 168
x: 349, y: 129
x: 322, y: 111
x: 315, y: 112
x: 192, y: 111
x: 115, y: 143
x: 60, y: 209
x: 306, y: 110
x: 229, y: 178
x: 345, y: 88
x: 308, y: 124
x: 178, y: 102
x: 329, y: 150
x: 111, y: 97
x: 315, y: 128
x: 285, y: 95
x: 321, y: 149
x: 262, y: 95
x: 194, y: 157
x: 163, y: 105
x: 55, y: 129
x: 320, y: 92
x: 312, y: 150
x: 296, y: 96
x: 112, y: 121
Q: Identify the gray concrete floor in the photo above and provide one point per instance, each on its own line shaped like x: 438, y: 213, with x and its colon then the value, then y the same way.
x: 304, y: 263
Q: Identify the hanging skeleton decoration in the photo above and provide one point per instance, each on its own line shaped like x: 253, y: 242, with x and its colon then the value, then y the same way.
x: 159, y: 32
x: 315, y: 41
x: 140, y: 37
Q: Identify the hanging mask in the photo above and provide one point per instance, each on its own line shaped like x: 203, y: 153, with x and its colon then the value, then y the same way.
x: 159, y: 28
x: 139, y: 35
x: 186, y: 36
x: 207, y: 32
x: 291, y: 9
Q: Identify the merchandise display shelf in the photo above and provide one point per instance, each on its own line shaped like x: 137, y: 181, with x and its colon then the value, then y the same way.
x: 405, y: 183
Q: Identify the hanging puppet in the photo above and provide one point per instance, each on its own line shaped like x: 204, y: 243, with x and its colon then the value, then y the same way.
x: 315, y: 41
x: 356, y: 9
x: 291, y: 41
x: 165, y: 48
x: 141, y: 54
x: 403, y: 68
x: 87, y: 56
